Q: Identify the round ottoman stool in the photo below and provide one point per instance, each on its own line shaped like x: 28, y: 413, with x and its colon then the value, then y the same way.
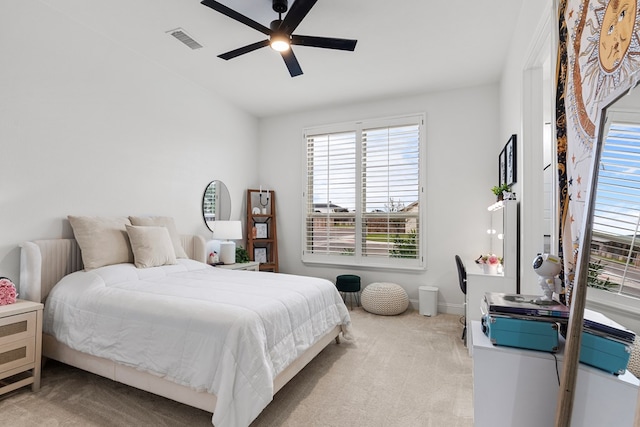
x: 383, y: 298
x: 349, y: 284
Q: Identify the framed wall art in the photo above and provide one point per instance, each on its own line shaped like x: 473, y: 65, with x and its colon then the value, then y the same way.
x: 260, y: 255
x: 262, y: 231
x: 511, y: 170
x: 502, y: 168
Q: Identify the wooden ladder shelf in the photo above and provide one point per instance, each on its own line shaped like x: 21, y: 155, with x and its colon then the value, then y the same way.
x: 262, y: 237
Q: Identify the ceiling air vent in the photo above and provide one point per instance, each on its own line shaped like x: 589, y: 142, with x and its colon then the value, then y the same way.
x: 185, y: 38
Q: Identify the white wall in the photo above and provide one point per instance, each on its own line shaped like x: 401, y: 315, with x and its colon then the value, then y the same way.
x: 462, y: 130
x: 89, y: 127
x: 517, y: 105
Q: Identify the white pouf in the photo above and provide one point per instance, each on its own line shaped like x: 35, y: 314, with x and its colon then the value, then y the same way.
x: 383, y: 298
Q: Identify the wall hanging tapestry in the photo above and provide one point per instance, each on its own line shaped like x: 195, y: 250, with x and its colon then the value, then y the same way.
x: 599, y: 48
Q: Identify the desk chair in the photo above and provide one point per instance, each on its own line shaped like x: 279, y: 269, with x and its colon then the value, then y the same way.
x: 462, y: 277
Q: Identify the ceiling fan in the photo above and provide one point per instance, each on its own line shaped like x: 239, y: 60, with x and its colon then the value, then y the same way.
x: 280, y: 32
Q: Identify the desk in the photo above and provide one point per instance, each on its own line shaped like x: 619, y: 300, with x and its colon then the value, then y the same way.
x: 478, y: 284
x: 513, y: 386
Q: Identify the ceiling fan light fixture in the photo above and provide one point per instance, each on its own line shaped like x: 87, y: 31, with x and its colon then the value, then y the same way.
x: 280, y: 42
x: 280, y: 32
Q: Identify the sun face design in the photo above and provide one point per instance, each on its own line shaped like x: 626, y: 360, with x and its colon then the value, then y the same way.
x: 607, y: 48
x: 616, y: 32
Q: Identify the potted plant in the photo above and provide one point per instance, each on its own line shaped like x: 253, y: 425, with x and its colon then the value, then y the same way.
x: 241, y: 254
x: 499, y: 190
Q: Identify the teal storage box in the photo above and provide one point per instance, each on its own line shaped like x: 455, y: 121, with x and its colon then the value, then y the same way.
x: 521, y: 333
x: 604, y: 353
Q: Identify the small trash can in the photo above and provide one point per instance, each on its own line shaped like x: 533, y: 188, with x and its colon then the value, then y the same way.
x: 428, y: 300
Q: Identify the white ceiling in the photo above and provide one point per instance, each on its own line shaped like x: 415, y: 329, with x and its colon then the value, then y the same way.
x: 404, y: 47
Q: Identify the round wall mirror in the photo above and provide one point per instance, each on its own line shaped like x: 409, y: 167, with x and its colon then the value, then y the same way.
x: 216, y: 203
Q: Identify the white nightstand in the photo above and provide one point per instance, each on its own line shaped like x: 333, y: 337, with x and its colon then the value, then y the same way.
x: 20, y: 345
x: 249, y: 266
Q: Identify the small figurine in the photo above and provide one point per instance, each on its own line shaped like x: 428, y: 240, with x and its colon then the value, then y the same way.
x: 213, y: 258
x: 548, y: 266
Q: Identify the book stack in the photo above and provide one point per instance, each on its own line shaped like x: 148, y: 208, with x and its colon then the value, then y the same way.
x: 523, y: 321
x: 526, y: 321
x: 605, y: 344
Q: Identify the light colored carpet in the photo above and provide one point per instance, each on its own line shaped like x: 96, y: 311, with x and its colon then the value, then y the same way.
x: 406, y: 370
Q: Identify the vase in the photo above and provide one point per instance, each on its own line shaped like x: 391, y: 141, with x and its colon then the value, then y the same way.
x: 490, y: 268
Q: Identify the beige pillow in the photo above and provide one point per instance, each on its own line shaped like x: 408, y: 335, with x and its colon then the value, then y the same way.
x: 102, y: 240
x: 151, y: 246
x: 162, y: 221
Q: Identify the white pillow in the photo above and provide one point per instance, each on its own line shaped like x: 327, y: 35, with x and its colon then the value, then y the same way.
x: 151, y: 246
x: 102, y: 240
x: 162, y: 221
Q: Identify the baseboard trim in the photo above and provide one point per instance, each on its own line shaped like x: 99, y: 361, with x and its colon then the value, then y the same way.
x: 442, y: 308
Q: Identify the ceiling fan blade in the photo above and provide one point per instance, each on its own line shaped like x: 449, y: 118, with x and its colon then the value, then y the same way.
x: 219, y: 7
x: 324, y: 42
x: 292, y: 63
x: 296, y: 14
x: 242, y: 50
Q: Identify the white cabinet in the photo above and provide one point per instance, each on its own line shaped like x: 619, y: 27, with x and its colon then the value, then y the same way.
x: 516, y: 387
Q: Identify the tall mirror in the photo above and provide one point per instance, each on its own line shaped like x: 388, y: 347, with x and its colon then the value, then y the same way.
x: 496, y: 230
x: 608, y: 267
x: 216, y: 203
x: 614, y: 264
x: 611, y: 262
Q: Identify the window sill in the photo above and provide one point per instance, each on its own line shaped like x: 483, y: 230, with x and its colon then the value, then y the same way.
x: 370, y: 266
x: 609, y: 302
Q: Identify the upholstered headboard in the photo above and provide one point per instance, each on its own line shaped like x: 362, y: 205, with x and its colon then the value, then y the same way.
x: 44, y: 262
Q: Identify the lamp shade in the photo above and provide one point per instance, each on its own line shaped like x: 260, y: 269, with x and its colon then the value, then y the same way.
x: 227, y: 230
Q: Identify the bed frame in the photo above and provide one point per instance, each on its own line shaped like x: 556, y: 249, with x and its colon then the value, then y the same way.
x: 44, y: 262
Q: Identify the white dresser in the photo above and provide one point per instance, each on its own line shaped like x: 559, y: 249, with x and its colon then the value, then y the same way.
x: 248, y: 266
x: 517, y: 387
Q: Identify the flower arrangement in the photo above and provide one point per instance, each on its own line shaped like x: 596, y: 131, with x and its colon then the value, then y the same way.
x: 489, y: 259
x: 490, y: 263
x: 8, y: 294
x: 213, y: 258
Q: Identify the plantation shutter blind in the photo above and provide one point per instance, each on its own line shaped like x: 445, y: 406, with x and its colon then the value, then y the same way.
x: 614, y: 247
x: 390, y: 189
x: 209, y: 203
x: 363, y: 193
x: 331, y: 189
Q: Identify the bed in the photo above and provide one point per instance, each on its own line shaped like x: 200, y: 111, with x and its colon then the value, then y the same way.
x: 243, y: 373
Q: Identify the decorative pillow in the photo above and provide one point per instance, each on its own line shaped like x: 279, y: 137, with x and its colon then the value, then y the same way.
x: 151, y: 246
x: 102, y: 240
x: 162, y: 221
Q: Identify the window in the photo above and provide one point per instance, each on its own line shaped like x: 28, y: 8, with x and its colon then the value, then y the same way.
x: 364, y: 192
x: 209, y: 203
x: 614, y: 263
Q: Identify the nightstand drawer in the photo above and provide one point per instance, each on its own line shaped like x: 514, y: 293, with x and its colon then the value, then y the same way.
x: 17, y: 327
x: 16, y: 354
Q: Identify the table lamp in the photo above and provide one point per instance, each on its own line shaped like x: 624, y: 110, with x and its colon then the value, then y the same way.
x: 227, y: 231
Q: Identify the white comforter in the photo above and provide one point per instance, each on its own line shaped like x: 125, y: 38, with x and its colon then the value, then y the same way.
x: 224, y: 331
